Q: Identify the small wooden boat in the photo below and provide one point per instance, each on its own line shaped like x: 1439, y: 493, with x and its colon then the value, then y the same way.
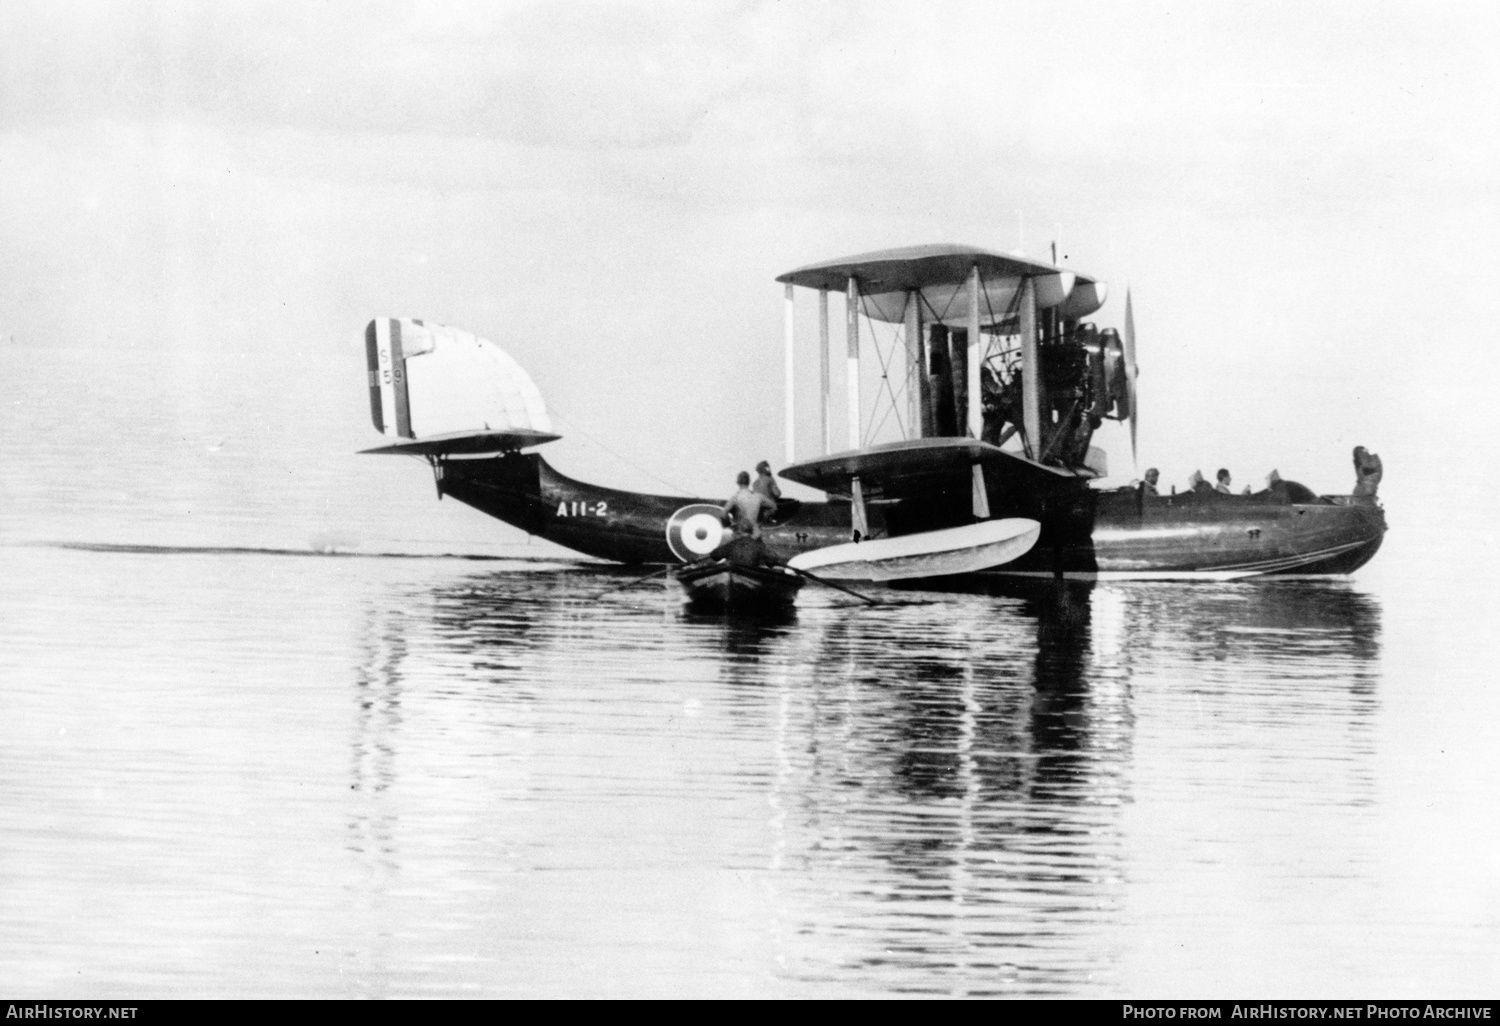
x: 730, y: 587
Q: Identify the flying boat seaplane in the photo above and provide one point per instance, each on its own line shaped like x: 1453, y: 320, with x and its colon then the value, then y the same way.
x: 1004, y: 382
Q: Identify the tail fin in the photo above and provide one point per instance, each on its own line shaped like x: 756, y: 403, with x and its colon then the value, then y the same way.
x: 437, y: 390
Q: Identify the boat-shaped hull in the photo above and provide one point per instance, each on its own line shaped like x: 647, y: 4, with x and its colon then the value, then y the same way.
x: 1128, y: 535
x: 1086, y: 533
x: 722, y: 586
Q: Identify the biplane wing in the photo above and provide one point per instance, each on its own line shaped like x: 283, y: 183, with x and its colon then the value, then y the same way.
x: 940, y: 273
x: 936, y: 472
x: 911, y: 466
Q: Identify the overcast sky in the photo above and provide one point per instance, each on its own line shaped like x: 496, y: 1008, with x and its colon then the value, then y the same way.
x: 1301, y: 196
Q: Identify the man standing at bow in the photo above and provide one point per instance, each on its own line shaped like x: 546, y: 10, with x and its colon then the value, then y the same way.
x: 1367, y: 472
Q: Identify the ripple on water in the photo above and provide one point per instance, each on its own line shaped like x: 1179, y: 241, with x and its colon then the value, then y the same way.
x: 252, y: 774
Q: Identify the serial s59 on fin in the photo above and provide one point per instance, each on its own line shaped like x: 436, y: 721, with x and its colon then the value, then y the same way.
x: 1007, y: 382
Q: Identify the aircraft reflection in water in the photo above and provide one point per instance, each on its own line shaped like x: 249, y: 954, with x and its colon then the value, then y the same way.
x: 944, y: 784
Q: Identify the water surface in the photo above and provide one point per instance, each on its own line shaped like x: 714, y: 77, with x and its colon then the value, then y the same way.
x: 260, y: 736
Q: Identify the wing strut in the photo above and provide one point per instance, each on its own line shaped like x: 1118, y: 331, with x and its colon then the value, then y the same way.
x: 981, y: 493
x: 1130, y: 369
x: 860, y: 521
x: 851, y: 329
x: 1031, y: 372
x: 788, y: 338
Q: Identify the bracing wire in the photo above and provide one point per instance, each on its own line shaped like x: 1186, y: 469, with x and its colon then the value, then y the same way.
x: 885, y: 377
x: 628, y: 462
x: 1013, y: 307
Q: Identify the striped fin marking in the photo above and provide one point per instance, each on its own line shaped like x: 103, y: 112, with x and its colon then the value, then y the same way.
x: 398, y: 372
x: 387, y: 375
x: 372, y: 362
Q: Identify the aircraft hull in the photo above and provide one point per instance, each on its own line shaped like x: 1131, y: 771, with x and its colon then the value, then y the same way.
x: 1125, y: 535
x: 1086, y: 533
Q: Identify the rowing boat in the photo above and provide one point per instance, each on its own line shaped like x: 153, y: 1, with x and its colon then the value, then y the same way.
x: 726, y: 586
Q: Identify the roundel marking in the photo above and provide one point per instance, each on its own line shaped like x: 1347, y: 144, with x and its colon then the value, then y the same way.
x: 695, y: 531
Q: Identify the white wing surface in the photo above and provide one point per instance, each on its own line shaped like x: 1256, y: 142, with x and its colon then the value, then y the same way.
x: 954, y: 550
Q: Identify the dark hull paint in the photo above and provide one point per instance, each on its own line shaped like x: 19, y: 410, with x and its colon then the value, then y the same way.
x: 1123, y: 534
x: 1086, y: 533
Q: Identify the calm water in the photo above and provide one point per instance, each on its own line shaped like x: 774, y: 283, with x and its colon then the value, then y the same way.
x: 231, y: 765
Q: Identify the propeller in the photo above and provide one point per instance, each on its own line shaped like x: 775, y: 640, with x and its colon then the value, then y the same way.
x: 1130, y: 370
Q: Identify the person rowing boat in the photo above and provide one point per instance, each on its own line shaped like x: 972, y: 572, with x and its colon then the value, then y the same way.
x: 744, y: 549
x: 740, y: 574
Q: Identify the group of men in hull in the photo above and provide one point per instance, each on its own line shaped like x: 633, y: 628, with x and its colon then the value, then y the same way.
x: 1367, y: 474
x: 1082, y: 405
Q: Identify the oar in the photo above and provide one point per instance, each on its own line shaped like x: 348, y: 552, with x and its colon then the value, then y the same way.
x: 639, y: 580
x: 838, y: 587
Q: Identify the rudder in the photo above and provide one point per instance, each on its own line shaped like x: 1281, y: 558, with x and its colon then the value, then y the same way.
x: 436, y: 390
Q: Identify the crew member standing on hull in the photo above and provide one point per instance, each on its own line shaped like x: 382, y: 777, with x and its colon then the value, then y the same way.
x: 1367, y: 472
x: 745, y: 507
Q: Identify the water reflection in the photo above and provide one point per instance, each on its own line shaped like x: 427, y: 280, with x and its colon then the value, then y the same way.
x: 932, y: 792
x: 372, y: 822
x: 743, y: 640
x: 968, y: 792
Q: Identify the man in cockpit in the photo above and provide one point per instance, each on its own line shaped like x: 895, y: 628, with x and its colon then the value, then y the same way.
x: 1152, y: 476
x: 1002, y: 405
x: 1223, y: 487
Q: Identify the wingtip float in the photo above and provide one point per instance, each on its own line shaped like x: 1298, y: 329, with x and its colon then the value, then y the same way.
x: 1008, y: 383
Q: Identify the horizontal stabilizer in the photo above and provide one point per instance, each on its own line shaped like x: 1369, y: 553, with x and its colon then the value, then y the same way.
x: 465, y: 443
x: 953, y: 550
